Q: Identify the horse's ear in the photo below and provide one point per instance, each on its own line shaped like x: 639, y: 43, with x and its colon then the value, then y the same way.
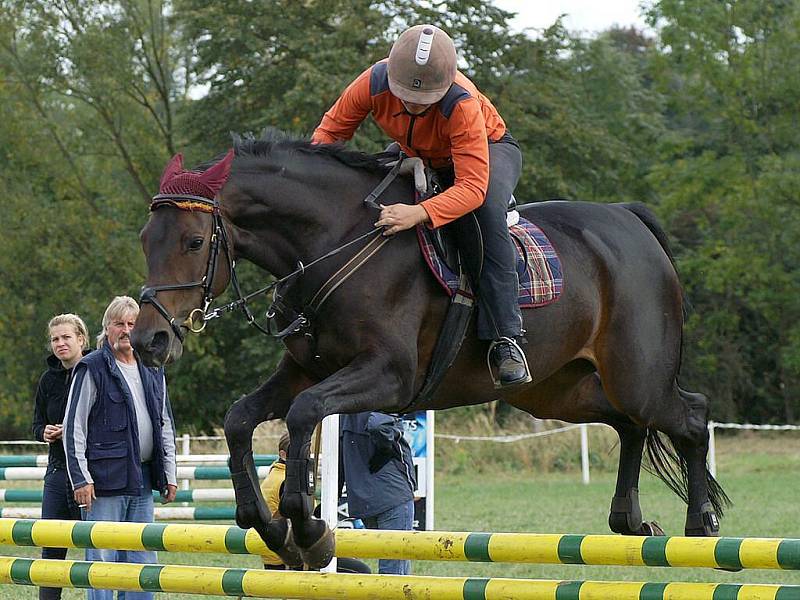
x: 215, y: 176
x: 174, y: 166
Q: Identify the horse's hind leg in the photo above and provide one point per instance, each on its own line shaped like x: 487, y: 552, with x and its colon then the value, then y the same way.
x: 704, y: 495
x: 682, y: 416
x: 576, y: 394
x: 626, y: 514
x: 270, y: 401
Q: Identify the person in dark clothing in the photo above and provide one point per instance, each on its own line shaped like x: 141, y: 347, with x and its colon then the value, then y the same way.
x: 378, y: 470
x: 69, y: 341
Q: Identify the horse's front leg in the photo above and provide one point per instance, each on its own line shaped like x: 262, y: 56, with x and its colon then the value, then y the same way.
x: 270, y: 401
x: 369, y: 383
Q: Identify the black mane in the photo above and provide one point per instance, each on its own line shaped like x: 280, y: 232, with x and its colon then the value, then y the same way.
x: 273, y: 140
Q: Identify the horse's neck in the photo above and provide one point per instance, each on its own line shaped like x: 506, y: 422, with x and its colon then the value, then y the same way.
x: 277, y: 233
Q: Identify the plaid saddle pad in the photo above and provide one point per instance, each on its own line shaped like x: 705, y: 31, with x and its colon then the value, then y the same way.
x: 540, y: 277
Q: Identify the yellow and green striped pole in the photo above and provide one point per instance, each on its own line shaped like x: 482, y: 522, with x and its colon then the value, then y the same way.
x: 317, y: 586
x: 532, y: 548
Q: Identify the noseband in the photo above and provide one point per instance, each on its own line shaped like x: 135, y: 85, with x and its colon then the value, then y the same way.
x: 218, y: 237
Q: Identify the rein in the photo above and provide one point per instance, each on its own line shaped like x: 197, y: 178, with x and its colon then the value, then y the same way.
x: 219, y: 240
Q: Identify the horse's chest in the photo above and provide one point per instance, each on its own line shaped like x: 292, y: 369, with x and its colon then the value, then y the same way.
x: 316, y: 356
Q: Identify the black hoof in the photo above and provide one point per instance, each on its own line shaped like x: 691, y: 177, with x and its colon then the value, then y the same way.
x: 650, y: 528
x: 705, y: 523
x: 701, y: 532
x: 620, y: 523
x: 289, y: 553
x: 320, y: 553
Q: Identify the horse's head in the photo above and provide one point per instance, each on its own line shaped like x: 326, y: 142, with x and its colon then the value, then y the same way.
x: 188, y: 254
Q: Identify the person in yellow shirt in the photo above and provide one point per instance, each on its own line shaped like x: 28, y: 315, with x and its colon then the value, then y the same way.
x: 272, y: 488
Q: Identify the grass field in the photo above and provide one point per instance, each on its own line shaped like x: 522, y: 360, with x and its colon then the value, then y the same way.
x: 760, y: 473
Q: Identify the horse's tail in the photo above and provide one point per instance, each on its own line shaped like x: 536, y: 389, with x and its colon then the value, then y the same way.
x: 649, y: 219
x: 670, y: 467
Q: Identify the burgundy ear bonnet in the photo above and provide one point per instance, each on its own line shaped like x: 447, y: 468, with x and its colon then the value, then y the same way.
x: 205, y: 184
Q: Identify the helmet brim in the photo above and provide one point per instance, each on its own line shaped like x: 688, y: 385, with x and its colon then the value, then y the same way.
x: 416, y: 96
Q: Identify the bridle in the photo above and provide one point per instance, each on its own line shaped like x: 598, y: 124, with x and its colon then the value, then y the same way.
x: 219, y: 240
x: 219, y: 237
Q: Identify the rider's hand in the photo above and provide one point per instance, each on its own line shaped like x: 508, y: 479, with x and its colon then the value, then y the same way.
x: 399, y: 217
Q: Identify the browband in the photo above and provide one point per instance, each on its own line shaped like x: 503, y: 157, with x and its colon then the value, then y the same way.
x: 184, y: 202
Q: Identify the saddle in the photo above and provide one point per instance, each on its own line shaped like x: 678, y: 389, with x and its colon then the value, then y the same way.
x: 454, y: 254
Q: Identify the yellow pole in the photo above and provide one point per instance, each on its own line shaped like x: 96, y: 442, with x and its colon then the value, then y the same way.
x: 318, y: 586
x: 730, y: 553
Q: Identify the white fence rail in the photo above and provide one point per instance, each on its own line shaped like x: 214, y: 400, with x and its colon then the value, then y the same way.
x: 712, y: 444
x: 186, y: 440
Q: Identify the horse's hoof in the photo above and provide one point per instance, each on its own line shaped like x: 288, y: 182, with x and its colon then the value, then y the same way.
x: 290, y: 553
x: 320, y: 553
x: 705, y: 523
x: 650, y: 528
x: 702, y: 532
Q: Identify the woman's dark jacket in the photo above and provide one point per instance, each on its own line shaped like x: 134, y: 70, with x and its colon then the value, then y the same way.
x: 51, y: 401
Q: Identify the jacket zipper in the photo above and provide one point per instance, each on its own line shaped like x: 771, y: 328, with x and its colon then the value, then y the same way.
x: 410, y: 131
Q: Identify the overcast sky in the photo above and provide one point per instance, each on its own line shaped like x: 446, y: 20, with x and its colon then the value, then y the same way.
x: 584, y: 16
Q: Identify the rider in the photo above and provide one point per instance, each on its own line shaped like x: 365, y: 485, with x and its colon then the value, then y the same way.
x: 419, y: 99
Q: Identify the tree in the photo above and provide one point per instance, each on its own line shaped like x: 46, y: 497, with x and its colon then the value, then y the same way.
x: 723, y: 175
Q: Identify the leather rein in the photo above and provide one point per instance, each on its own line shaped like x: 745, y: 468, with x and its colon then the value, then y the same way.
x: 198, y: 317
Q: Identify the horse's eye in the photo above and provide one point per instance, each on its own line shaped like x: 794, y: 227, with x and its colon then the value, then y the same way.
x: 196, y: 244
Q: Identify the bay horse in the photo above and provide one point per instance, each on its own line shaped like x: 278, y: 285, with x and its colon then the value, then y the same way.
x: 608, y: 351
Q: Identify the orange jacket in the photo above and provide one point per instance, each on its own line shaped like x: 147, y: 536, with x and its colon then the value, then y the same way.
x: 456, y: 130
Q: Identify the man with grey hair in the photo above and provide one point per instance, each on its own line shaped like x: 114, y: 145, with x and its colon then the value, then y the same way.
x: 119, y: 437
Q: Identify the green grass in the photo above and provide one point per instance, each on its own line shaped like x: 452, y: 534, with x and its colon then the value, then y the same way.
x: 759, y: 473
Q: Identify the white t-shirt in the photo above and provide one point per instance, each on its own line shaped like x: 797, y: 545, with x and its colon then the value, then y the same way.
x: 134, y: 381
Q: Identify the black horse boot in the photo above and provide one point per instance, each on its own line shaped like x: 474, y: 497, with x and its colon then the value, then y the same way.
x: 508, y: 361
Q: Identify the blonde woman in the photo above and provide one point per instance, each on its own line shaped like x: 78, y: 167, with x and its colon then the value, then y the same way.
x: 69, y: 341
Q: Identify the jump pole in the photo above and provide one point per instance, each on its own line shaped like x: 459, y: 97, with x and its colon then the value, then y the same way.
x: 162, y: 513
x: 316, y: 586
x: 530, y: 548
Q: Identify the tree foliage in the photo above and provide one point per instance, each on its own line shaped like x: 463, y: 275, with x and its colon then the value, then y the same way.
x: 699, y: 120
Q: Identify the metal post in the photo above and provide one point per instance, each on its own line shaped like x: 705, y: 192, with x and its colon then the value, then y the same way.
x: 585, y: 452
x: 429, y: 470
x: 712, y: 450
x: 185, y: 450
x: 330, y: 477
